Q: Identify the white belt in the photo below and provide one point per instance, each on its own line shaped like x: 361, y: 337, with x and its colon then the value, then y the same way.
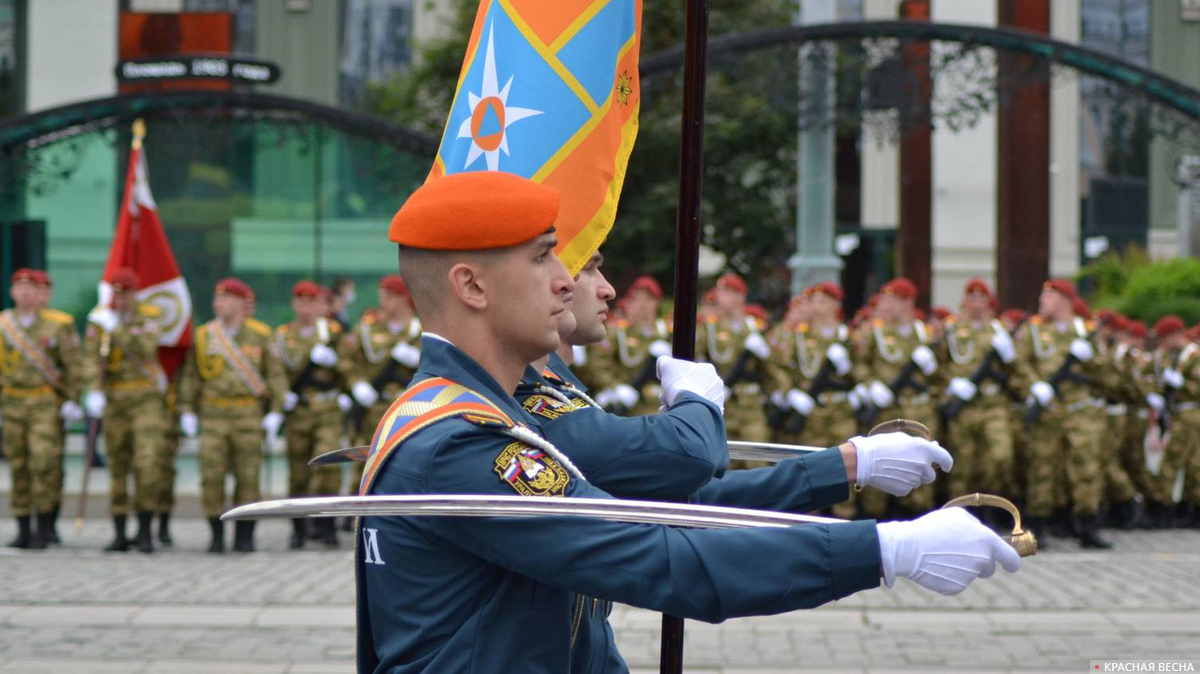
x: 749, y: 389
x: 1117, y: 410
x: 1143, y: 414
x: 1186, y: 407
x: 919, y: 399
x: 830, y: 398
x: 990, y: 388
x: 1092, y: 403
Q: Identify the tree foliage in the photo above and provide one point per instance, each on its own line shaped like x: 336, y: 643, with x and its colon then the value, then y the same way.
x: 750, y: 138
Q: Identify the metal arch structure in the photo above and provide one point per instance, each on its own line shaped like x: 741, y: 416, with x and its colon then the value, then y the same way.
x: 31, y: 131
x: 1164, y: 90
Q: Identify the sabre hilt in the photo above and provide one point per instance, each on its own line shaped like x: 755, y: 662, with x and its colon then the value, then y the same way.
x: 1022, y: 541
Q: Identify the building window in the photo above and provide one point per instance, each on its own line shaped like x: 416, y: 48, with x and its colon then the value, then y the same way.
x: 12, y: 74
x: 376, y: 42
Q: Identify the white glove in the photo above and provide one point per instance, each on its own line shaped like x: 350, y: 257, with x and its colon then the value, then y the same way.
x: 1042, y: 392
x: 406, y: 354
x: 70, y: 411
x: 924, y: 358
x: 660, y: 348
x: 271, y: 424
x: 961, y: 387
x: 1002, y: 344
x: 626, y: 395
x: 95, y: 402
x: 345, y: 403
x: 605, y: 398
x: 1082, y: 350
x: 840, y: 357
x: 290, y: 400
x: 323, y: 355
x: 801, y: 402
x: 364, y: 394
x: 756, y: 345
x: 898, y: 463
x: 189, y: 424
x: 678, y: 376
x: 779, y: 400
x: 1172, y: 377
x: 858, y: 396
x: 104, y: 318
x: 942, y: 551
x: 578, y: 354
x: 881, y: 395
x: 1156, y: 402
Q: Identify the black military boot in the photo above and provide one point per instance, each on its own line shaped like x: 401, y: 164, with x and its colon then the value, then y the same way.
x: 1089, y: 533
x: 51, y: 534
x: 1183, y: 515
x: 45, y: 529
x: 1037, y: 526
x: 299, y: 531
x: 217, y: 544
x: 243, y: 536
x: 144, y: 541
x: 164, y: 530
x: 1062, y: 525
x: 24, y: 535
x: 120, y: 542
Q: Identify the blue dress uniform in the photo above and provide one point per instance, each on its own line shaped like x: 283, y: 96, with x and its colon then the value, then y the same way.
x: 655, y: 457
x: 450, y: 595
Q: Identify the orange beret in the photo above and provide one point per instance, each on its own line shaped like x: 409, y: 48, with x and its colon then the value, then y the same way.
x: 1014, y: 315
x: 1080, y: 307
x: 646, y: 284
x: 942, y: 312
x: 826, y: 288
x: 733, y: 282
x: 900, y: 287
x: 1136, y: 328
x: 1168, y: 325
x: 1105, y: 316
x: 710, y: 296
x: 125, y: 279
x: 1062, y: 287
x: 920, y: 314
x: 1117, y: 322
x: 757, y: 311
x: 235, y: 287
x: 306, y: 289
x: 393, y: 284
x: 478, y: 210
x: 797, y: 300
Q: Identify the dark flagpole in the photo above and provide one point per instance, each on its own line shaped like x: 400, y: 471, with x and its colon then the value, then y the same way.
x: 687, y: 242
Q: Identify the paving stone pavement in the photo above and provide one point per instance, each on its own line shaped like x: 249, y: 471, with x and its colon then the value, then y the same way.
x: 77, y: 609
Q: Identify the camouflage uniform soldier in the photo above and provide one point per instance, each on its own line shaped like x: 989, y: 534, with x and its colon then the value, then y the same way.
x: 231, y: 375
x: 628, y: 355
x: 1179, y: 378
x: 1063, y: 440
x: 314, y: 419
x: 980, y: 436
x: 1139, y: 366
x: 1115, y: 383
x: 125, y: 386
x: 379, y: 356
x: 45, y: 292
x: 166, y: 463
x: 732, y: 341
x: 895, y: 342
x: 40, y: 364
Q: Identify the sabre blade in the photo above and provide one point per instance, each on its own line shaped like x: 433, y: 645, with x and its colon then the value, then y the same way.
x: 474, y: 505
x: 752, y: 451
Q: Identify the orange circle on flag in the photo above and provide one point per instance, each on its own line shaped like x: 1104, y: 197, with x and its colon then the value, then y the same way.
x: 492, y: 140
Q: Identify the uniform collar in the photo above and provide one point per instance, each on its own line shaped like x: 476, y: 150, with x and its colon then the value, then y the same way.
x: 441, y: 358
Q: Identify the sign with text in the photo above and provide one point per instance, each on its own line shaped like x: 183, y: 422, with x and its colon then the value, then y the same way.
x: 207, y: 67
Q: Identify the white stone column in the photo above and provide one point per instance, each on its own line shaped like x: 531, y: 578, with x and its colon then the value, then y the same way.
x: 1064, y: 149
x: 880, y: 194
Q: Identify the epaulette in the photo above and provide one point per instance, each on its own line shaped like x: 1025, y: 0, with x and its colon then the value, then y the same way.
x: 284, y: 329
x: 335, y: 327
x: 149, y: 310
x: 370, y: 316
x: 878, y: 323
x: 802, y: 327
x: 258, y: 326
x: 950, y: 320
x: 1091, y: 325
x: 621, y: 323
x: 56, y: 316
x: 1035, y: 319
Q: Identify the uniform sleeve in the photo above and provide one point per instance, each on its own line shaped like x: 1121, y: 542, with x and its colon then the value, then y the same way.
x: 1024, y: 368
x: 189, y: 384
x: 90, y: 366
x: 777, y: 376
x: 70, y: 354
x: 139, y: 341
x: 696, y: 574
x: 798, y: 485
x: 864, y: 348
x: 659, y: 456
x: 274, y: 375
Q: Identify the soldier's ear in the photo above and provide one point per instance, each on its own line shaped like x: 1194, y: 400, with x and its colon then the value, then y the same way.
x: 467, y: 284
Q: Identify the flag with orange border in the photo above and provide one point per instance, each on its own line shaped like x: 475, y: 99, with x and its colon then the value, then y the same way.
x: 549, y: 90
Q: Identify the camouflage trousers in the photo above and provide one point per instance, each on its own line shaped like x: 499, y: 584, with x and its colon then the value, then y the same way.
x: 1064, y: 462
x: 1118, y: 485
x: 133, y: 437
x: 981, y: 442
x: 32, y: 436
x: 313, y: 428
x: 746, y: 420
x: 165, y: 498
x: 1133, y: 454
x: 1020, y: 436
x: 230, y: 442
x: 1182, y: 455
